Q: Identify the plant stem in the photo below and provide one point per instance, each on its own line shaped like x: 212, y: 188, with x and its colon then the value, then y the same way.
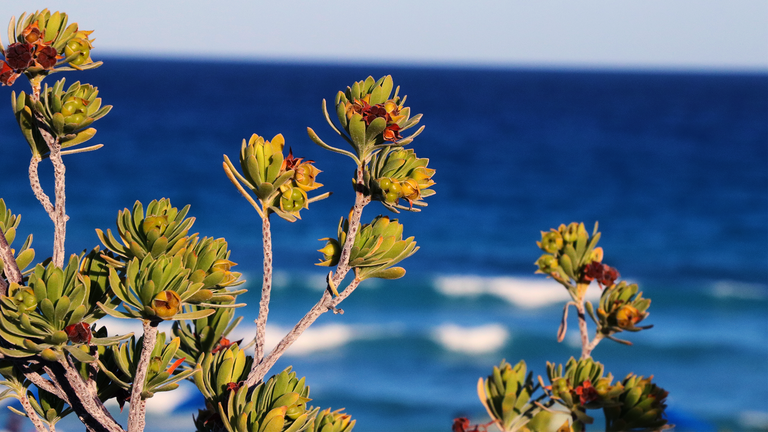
x: 59, y: 170
x: 90, y: 410
x: 137, y: 414
x: 37, y: 189
x: 593, y: 344
x: 10, y: 268
x: 585, y: 350
x: 361, y: 200
x: 59, y: 214
x: 36, y: 379
x: 326, y: 303
x: 33, y: 417
x: 266, y: 289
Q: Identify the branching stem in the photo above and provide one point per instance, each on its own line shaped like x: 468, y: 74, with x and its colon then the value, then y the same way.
x: 327, y: 303
x: 58, y: 213
x: 33, y: 417
x: 361, y: 200
x: 37, y: 189
x: 585, y: 350
x: 59, y: 170
x: 10, y: 268
x: 41, y: 383
x: 266, y: 289
x: 90, y: 410
x: 137, y: 414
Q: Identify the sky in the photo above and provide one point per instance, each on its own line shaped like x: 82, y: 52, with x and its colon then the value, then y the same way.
x: 644, y: 34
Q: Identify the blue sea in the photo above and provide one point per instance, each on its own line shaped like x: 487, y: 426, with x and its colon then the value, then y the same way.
x: 674, y: 166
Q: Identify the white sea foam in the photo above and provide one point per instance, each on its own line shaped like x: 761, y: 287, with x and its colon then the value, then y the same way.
x: 314, y: 339
x: 739, y: 290
x: 522, y: 292
x: 757, y: 420
x: 471, y: 340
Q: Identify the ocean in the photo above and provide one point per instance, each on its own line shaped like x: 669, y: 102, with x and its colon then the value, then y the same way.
x: 674, y: 166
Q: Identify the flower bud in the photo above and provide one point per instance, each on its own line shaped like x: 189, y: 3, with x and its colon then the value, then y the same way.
x: 547, y: 264
x: 166, y: 304
x: 293, y: 199
x: 597, y: 254
x: 571, y: 232
x: 81, y: 45
x: 627, y: 316
x: 551, y: 242
x: 304, y: 176
x: 79, y: 333
x: 19, y: 55
x: 154, y: 222
x: 331, y: 253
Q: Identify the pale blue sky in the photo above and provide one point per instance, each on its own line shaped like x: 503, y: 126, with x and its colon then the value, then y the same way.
x: 667, y: 34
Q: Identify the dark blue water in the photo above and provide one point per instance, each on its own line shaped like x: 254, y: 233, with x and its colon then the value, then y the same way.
x: 673, y: 166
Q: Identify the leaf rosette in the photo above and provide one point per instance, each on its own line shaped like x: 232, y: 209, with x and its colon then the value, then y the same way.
x: 162, y: 230
x: 42, y: 43
x: 208, y: 334
x: 371, y: 118
x: 333, y: 421
x: 641, y: 405
x: 66, y: 115
x: 507, y: 395
x: 164, y: 372
x: 398, y: 174
x: 37, y: 317
x: 277, y: 405
x: 280, y: 183
x: 9, y: 223
x: 621, y: 308
x: 378, y: 246
x: 160, y: 289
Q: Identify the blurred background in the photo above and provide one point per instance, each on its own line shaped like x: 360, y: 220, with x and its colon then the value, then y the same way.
x: 649, y: 117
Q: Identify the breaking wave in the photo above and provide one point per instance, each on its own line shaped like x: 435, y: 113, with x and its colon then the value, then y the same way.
x: 519, y: 291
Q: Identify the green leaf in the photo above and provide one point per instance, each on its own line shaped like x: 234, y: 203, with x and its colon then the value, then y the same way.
x: 357, y: 132
x: 119, y: 314
x: 79, y: 354
x: 108, y: 341
x: 194, y: 315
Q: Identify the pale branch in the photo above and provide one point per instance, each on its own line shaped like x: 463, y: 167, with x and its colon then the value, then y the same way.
x: 583, y: 329
x: 592, y: 345
x: 266, y: 289
x: 3, y: 286
x: 40, y: 382
x: 89, y: 409
x: 361, y: 200
x: 93, y: 372
x: 59, y: 170
x: 10, y: 267
x: 138, y: 410
x: 60, y: 390
x: 261, y: 366
x: 327, y: 303
x: 37, y: 188
x: 33, y: 417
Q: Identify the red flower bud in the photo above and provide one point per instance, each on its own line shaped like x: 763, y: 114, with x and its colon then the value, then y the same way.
x: 46, y: 57
x: 79, y: 333
x: 610, y: 275
x: 19, y: 55
x: 593, y: 271
x: 7, y: 75
x: 586, y: 392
